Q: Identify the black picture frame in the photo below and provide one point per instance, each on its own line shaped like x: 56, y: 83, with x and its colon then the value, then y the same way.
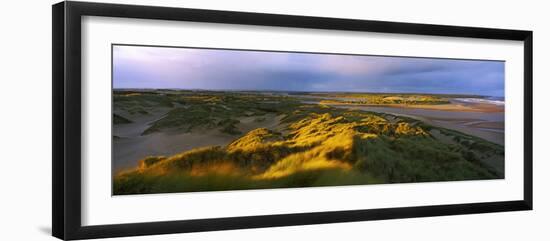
x: 66, y: 157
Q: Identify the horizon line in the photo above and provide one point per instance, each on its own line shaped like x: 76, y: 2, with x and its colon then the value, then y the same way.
x: 308, y: 91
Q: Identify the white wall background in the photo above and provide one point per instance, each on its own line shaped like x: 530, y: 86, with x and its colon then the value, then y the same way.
x: 25, y: 123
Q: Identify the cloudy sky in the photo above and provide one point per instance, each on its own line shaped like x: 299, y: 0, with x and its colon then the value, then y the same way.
x: 184, y: 68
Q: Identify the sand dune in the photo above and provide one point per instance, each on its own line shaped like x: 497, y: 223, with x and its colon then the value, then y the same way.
x: 131, y: 146
x: 488, y: 125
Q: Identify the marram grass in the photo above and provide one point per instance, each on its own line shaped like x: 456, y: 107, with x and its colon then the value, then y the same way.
x: 322, y: 146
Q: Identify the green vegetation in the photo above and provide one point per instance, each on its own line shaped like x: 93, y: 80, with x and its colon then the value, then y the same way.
x: 140, y: 103
x: 117, y: 119
x: 212, y: 110
x: 384, y: 99
x: 316, y: 145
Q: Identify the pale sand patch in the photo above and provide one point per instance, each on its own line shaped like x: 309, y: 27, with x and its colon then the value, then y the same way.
x: 127, y: 151
x: 269, y: 121
x: 489, y: 125
x: 473, y: 107
x: 132, y: 146
x: 140, y: 122
x: 489, y: 135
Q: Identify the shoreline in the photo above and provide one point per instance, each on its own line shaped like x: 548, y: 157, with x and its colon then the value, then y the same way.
x: 453, y: 107
x: 488, y: 125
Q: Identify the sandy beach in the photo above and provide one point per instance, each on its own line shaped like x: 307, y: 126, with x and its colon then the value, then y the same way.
x: 478, y: 119
x: 455, y: 106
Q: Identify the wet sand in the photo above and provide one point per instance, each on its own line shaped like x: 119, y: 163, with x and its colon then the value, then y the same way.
x: 487, y: 125
x: 455, y: 106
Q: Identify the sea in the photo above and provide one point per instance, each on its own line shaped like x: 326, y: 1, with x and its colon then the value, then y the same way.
x: 495, y: 100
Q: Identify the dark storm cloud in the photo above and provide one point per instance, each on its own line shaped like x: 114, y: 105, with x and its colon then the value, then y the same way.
x: 152, y: 67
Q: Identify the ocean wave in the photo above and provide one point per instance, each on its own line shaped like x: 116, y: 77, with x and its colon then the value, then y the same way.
x: 479, y: 100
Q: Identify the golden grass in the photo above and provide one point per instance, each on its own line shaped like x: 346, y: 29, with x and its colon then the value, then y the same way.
x: 289, y: 166
x: 317, y: 147
x: 132, y: 94
x: 326, y: 143
x: 224, y: 168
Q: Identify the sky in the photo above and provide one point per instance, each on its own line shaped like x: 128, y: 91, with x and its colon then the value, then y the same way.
x: 219, y: 69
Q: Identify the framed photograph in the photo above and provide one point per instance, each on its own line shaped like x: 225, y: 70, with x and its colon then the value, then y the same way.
x: 169, y: 120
